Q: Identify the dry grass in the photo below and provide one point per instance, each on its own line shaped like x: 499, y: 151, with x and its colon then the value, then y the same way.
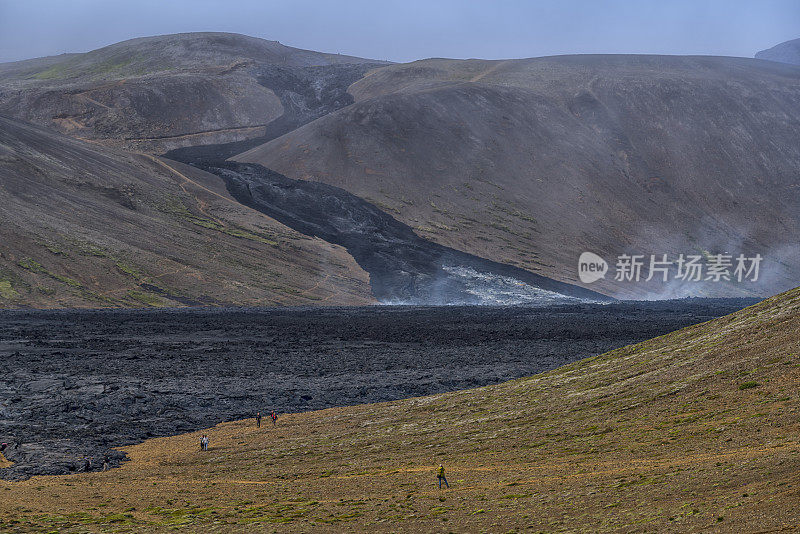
x: 656, y: 436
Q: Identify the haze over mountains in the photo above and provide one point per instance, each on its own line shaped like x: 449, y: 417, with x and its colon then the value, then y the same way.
x: 525, y: 163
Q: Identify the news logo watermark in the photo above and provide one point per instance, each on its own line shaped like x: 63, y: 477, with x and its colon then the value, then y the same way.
x: 591, y: 267
x: 683, y: 267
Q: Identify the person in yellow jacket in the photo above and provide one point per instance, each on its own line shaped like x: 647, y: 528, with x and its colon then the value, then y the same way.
x: 440, y: 476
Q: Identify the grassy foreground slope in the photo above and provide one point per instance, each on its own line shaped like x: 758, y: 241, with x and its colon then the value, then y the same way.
x: 693, y: 431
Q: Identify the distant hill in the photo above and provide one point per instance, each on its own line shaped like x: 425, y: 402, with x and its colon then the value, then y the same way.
x: 87, y: 226
x: 169, y: 91
x: 531, y: 162
x: 786, y: 52
x: 170, y: 53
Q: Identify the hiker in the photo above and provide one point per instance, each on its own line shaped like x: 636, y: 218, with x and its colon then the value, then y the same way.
x: 274, y: 418
x: 205, y: 443
x: 440, y: 476
x: 258, y: 420
x: 105, y: 463
x: 87, y: 464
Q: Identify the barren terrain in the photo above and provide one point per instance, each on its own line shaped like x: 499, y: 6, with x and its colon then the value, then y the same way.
x: 524, y: 163
x: 75, y: 383
x: 530, y: 162
x: 696, y: 430
x: 163, y: 92
x: 86, y: 226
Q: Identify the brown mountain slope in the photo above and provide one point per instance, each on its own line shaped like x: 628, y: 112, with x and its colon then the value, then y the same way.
x: 694, y: 431
x: 167, y: 53
x: 531, y: 162
x: 158, y: 93
x: 86, y: 226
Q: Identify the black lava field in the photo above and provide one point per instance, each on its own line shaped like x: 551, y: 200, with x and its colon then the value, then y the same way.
x: 76, y: 383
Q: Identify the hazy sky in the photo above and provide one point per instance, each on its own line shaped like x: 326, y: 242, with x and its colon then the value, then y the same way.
x: 413, y: 29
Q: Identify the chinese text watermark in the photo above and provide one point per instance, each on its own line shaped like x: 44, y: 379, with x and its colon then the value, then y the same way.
x: 683, y: 267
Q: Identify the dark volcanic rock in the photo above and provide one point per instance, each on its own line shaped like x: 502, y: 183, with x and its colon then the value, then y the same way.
x: 402, y: 266
x: 75, y: 383
x: 306, y: 93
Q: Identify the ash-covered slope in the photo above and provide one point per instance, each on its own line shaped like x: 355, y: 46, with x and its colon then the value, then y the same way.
x: 786, y: 52
x: 163, y: 92
x: 87, y: 226
x: 531, y: 162
x: 403, y: 267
